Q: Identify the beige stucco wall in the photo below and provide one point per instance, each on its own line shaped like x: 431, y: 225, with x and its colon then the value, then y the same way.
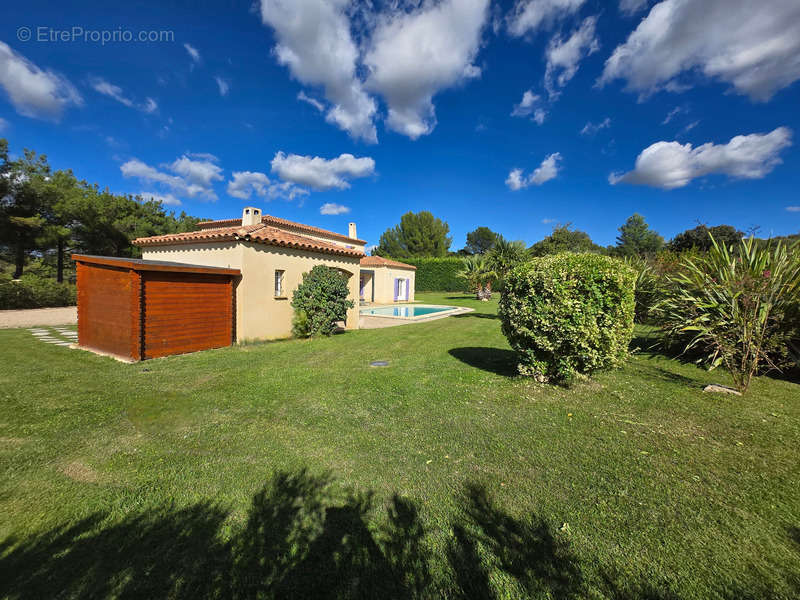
x: 259, y: 315
x: 384, y: 283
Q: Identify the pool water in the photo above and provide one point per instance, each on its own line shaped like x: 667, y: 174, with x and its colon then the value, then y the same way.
x: 408, y: 312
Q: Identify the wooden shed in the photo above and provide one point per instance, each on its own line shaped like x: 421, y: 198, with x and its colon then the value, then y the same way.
x: 137, y: 309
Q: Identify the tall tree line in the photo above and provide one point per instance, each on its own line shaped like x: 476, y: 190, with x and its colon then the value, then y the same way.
x: 46, y: 213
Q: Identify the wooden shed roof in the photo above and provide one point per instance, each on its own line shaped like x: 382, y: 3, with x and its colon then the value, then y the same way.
x: 138, y: 264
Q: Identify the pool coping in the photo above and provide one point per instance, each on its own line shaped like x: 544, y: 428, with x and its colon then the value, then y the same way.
x: 454, y: 310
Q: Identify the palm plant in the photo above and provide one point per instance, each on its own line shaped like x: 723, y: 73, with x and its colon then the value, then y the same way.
x: 505, y: 255
x: 733, y: 307
x: 479, y: 276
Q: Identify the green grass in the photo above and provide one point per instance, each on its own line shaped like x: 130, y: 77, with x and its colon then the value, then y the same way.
x: 294, y: 469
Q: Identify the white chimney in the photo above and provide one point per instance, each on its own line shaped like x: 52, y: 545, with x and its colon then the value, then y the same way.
x: 351, y: 231
x: 251, y: 216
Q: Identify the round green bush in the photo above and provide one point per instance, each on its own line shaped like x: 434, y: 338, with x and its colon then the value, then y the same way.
x: 568, y: 313
x: 319, y: 302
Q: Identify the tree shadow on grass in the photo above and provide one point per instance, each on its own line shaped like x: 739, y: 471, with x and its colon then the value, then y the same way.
x: 300, y: 540
x: 476, y: 315
x: 499, y: 361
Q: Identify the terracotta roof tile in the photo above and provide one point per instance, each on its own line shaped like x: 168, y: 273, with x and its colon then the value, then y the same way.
x: 270, y: 220
x: 262, y: 234
x: 379, y: 261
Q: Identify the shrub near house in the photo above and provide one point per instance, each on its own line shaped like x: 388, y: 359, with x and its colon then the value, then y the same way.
x: 568, y: 314
x: 319, y: 302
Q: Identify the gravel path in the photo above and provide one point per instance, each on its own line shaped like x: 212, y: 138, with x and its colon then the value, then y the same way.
x: 67, y: 315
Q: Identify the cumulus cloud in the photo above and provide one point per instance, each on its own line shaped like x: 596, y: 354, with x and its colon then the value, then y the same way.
x: 312, y: 101
x: 34, y: 92
x: 330, y: 208
x: 321, y: 173
x: 223, y: 85
x: 527, y: 107
x: 753, y: 46
x: 166, y: 199
x: 246, y: 183
x: 564, y: 56
x: 404, y: 56
x: 202, y: 172
x: 193, y: 179
x: 194, y: 53
x: 314, y: 42
x: 528, y: 16
x: 591, y: 129
x: 412, y: 56
x: 670, y: 165
x: 106, y: 88
x: 546, y: 171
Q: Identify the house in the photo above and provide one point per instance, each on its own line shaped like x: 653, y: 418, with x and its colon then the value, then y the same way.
x: 271, y: 254
x: 384, y: 281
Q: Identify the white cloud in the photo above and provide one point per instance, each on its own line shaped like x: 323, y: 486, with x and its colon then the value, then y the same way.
x: 320, y: 173
x: 544, y: 172
x: 527, y: 108
x: 670, y: 165
x: 149, y: 106
x: 193, y: 179
x: 414, y: 55
x: 312, y: 101
x: 202, y: 155
x: 548, y: 221
x: 3, y: 124
x: 631, y: 7
x: 106, y: 88
x: 314, y: 42
x: 193, y: 52
x: 793, y: 208
x: 330, y: 208
x: 754, y: 46
x: 166, y: 199
x: 224, y: 86
x: 530, y: 15
x: 688, y: 128
x: 564, y: 56
x: 673, y: 113
x: 32, y: 91
x: 202, y: 172
x: 406, y: 56
x: 592, y: 129
x: 245, y: 183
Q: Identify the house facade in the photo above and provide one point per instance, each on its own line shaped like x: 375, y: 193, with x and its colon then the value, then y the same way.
x: 272, y: 254
x: 384, y: 281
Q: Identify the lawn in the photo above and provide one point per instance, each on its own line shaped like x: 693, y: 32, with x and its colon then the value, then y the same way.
x: 295, y: 470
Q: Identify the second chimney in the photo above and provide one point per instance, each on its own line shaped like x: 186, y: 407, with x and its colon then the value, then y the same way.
x: 351, y: 231
x: 251, y: 216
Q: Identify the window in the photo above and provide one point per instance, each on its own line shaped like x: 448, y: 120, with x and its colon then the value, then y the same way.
x: 279, y: 290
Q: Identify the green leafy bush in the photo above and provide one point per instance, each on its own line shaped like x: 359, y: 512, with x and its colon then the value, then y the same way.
x: 319, y: 302
x: 567, y: 314
x: 32, y: 291
x: 736, y: 306
x: 438, y: 274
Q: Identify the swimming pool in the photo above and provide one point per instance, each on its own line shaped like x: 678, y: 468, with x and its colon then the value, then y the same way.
x: 411, y: 311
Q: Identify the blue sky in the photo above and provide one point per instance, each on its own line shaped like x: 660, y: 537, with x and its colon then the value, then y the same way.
x: 382, y: 108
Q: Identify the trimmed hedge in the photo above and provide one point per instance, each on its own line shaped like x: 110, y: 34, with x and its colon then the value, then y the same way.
x: 438, y: 274
x: 566, y: 314
x: 32, y: 291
